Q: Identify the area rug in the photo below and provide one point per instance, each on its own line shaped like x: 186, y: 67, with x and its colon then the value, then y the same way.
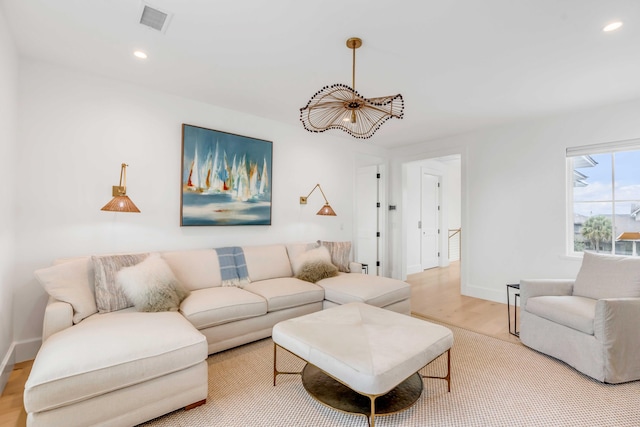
x: 494, y: 383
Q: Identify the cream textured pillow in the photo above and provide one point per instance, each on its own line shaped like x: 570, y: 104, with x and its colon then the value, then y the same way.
x: 71, y: 282
x: 319, y: 254
x: 340, y: 254
x: 608, y: 276
x: 109, y: 296
x: 151, y: 285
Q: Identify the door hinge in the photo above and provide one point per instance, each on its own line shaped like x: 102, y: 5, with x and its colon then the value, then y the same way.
x: 378, y: 175
x: 438, y: 185
x: 377, y: 263
x: 438, y: 254
x: 438, y: 231
x: 377, y: 204
x: 438, y: 207
x: 377, y: 234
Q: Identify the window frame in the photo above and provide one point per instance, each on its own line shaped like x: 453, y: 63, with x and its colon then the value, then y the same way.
x: 589, y: 150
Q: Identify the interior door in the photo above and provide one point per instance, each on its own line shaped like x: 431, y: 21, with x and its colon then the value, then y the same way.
x: 430, y: 221
x: 367, y: 217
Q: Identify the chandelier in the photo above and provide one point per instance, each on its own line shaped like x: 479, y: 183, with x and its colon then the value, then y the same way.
x: 340, y: 107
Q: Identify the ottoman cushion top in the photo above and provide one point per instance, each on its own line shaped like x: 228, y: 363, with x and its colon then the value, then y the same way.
x: 369, y: 349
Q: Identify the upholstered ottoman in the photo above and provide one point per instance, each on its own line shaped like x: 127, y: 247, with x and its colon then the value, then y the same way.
x: 368, y: 349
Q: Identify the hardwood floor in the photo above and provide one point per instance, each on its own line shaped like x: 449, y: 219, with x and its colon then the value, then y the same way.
x: 435, y: 294
x: 11, y: 408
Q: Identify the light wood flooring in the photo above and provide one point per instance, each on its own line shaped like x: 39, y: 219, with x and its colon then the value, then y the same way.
x: 435, y: 294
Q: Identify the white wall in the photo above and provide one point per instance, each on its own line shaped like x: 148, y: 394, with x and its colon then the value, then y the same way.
x: 453, y: 196
x: 74, y: 131
x: 513, y: 194
x: 412, y: 214
x: 8, y: 117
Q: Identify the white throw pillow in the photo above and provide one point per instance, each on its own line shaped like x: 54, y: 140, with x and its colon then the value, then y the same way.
x: 151, y: 285
x: 109, y: 296
x: 608, y: 276
x: 71, y: 282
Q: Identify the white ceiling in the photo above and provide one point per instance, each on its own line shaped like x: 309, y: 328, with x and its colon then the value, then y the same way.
x: 459, y: 64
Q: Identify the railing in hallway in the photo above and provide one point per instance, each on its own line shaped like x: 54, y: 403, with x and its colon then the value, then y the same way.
x: 455, y: 243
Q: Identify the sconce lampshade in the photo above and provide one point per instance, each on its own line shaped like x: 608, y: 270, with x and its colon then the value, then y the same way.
x: 121, y: 202
x: 326, y: 210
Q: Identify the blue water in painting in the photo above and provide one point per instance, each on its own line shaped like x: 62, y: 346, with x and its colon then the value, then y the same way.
x: 222, y: 209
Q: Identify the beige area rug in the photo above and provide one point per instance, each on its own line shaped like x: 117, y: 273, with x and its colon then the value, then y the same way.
x: 494, y: 383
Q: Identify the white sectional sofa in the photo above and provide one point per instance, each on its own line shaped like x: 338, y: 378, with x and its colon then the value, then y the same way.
x: 125, y: 367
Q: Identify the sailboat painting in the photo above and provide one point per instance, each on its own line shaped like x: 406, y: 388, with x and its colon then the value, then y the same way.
x: 226, y: 178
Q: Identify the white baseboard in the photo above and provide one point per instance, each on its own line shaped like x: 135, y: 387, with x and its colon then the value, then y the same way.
x: 485, y: 293
x: 413, y: 269
x: 8, y: 361
x: 27, y: 349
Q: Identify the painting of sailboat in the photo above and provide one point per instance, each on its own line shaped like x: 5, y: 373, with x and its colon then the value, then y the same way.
x: 226, y: 178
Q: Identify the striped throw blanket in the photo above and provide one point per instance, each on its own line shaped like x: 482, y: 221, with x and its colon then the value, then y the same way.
x: 233, y: 267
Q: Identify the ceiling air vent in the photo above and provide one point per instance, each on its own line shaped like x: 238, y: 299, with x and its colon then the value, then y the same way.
x: 154, y: 18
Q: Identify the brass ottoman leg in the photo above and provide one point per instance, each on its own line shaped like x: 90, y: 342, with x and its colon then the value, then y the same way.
x: 446, y: 377
x: 373, y: 410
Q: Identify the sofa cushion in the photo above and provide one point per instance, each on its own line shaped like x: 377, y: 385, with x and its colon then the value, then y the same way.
x: 267, y: 262
x: 71, y: 282
x: 373, y: 290
x: 196, y: 269
x: 107, y: 352
x: 608, y: 276
x: 575, y: 312
x: 151, y: 286
x: 214, y: 306
x: 109, y: 296
x: 286, y: 292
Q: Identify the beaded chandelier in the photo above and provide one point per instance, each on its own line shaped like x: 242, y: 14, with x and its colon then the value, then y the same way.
x: 340, y: 107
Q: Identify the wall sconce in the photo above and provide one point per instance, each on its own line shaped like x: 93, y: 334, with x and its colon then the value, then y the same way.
x: 326, y: 210
x: 121, y: 202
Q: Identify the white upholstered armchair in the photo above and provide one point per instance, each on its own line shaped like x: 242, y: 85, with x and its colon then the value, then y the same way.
x: 593, y: 322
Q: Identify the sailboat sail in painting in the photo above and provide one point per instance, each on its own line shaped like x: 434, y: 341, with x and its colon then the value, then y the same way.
x: 217, y: 191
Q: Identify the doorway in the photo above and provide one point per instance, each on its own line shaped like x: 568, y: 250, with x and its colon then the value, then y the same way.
x: 432, y: 200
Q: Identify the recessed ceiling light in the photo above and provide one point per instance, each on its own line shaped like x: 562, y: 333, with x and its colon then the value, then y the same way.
x: 140, y: 54
x: 612, y: 26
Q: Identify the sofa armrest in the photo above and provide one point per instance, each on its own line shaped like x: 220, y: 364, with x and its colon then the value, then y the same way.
x: 58, y: 315
x: 616, y: 326
x: 544, y: 287
x: 355, y: 267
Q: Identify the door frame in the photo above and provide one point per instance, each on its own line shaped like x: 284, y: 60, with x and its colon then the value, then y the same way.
x: 365, y: 160
x: 438, y: 217
x: 402, y: 163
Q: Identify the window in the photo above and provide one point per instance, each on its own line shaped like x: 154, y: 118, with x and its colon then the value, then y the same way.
x: 604, y: 198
